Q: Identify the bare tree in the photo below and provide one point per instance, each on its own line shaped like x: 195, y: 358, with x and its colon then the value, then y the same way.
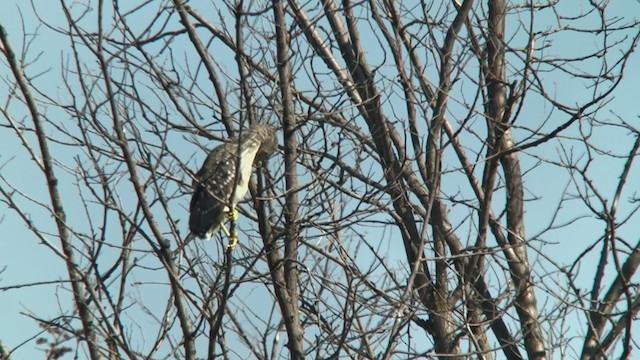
x: 453, y: 179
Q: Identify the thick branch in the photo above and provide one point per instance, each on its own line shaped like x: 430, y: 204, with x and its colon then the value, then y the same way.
x: 290, y: 304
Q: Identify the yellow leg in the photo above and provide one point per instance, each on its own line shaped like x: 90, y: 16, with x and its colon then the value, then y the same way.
x: 225, y: 231
x: 232, y: 215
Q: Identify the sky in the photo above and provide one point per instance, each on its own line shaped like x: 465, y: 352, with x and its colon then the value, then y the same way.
x: 24, y: 260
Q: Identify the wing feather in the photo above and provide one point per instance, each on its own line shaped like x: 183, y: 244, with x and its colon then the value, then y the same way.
x: 212, y: 186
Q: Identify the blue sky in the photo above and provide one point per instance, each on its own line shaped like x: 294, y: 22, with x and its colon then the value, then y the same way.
x: 26, y: 261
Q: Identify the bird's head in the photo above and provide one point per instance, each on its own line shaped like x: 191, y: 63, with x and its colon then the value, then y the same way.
x: 268, y: 140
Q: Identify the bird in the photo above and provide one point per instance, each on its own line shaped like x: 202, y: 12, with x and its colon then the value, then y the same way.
x: 223, y: 180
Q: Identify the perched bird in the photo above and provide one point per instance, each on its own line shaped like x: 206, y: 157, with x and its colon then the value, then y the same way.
x: 224, y: 177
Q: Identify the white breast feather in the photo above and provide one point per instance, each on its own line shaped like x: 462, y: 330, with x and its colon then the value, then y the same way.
x: 246, y: 163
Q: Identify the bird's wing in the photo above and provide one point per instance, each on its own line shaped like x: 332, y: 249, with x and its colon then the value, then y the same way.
x: 212, y: 186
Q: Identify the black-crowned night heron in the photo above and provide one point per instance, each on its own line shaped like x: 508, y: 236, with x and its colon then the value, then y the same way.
x: 219, y: 186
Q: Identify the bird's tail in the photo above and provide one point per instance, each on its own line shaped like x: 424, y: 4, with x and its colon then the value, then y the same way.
x: 185, y: 242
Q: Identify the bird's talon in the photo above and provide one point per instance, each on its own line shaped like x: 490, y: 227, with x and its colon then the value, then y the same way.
x: 233, y: 241
x: 232, y: 215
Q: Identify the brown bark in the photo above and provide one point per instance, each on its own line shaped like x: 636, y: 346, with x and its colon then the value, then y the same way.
x: 289, y: 303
